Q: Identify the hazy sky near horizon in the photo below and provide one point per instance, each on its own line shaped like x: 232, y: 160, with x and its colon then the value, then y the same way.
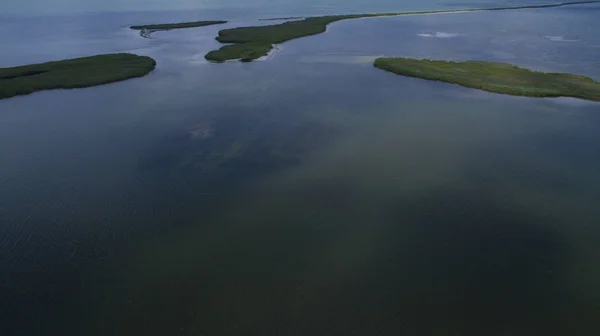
x: 83, y: 6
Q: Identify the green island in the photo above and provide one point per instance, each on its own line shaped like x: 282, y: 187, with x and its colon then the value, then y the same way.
x: 494, y: 77
x: 250, y: 43
x: 73, y: 73
x: 146, y: 30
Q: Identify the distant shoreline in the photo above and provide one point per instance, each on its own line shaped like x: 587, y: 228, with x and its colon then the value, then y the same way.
x: 147, y: 30
x: 284, y: 18
x: 442, y: 11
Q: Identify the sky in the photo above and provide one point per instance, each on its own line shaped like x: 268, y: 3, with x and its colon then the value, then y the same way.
x: 86, y: 6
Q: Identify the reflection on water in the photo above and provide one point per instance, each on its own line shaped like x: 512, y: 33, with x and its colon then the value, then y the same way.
x: 309, y: 194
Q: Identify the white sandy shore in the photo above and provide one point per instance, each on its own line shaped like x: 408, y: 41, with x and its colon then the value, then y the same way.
x: 276, y: 48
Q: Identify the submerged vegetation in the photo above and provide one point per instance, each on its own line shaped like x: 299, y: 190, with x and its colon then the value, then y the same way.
x: 226, y: 148
x: 73, y: 73
x: 255, y: 42
x: 146, y: 30
x: 495, y: 77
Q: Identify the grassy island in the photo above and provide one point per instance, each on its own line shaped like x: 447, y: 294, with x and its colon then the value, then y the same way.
x: 254, y: 42
x: 73, y: 73
x: 146, y: 30
x: 250, y: 43
x: 495, y: 77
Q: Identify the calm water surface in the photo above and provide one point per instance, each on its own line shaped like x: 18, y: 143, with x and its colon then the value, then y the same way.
x: 308, y: 194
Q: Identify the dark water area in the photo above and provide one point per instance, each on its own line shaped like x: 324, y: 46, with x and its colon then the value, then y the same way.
x: 306, y: 194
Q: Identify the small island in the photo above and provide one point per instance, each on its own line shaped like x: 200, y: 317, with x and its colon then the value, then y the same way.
x: 494, y: 77
x: 73, y: 73
x: 250, y: 43
x: 146, y: 30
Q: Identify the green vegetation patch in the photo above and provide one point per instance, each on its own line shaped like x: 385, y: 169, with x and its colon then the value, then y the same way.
x: 245, y: 52
x: 166, y: 26
x: 279, y: 33
x: 258, y: 41
x: 495, y: 77
x: 73, y: 73
x: 146, y: 30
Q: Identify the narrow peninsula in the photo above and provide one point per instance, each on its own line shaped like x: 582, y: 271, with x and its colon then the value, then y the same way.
x: 146, y: 30
x: 250, y: 43
x: 494, y: 77
x: 73, y: 73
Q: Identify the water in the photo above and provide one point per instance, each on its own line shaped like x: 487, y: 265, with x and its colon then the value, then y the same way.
x: 306, y: 194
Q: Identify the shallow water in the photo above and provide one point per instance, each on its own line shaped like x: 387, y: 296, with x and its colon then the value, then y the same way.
x: 306, y: 194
